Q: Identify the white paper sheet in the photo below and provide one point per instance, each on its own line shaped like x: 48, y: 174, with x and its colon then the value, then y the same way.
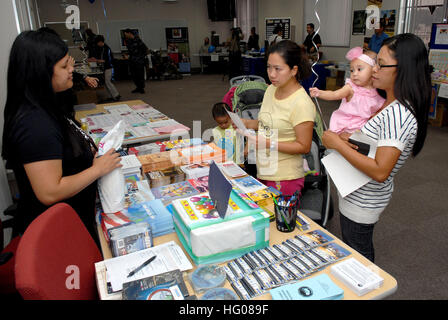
x: 169, y: 257
x: 345, y: 176
x: 162, y: 123
x: 119, y: 108
x: 443, y: 90
x: 143, y: 131
x: 237, y: 121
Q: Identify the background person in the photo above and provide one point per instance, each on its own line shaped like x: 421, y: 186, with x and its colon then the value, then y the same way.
x: 204, y: 48
x: 276, y: 35
x: 90, y: 42
x: 399, y: 128
x: 103, y: 54
x: 377, y: 39
x: 137, y: 59
x: 52, y: 159
x: 235, y: 53
x: 252, y: 43
x: 308, y: 43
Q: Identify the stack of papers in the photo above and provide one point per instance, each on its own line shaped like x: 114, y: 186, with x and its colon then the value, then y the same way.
x: 137, y: 191
x: 231, y: 169
x: 160, y: 219
x: 318, y: 288
x: 131, y: 165
x: 356, y: 276
x: 153, y: 212
x: 196, y: 170
x: 165, y: 177
x: 130, y: 238
x: 201, y: 153
x: 178, y: 144
x: 248, y: 184
x: 160, y: 161
x: 149, y: 148
x: 174, y: 191
x: 169, y: 257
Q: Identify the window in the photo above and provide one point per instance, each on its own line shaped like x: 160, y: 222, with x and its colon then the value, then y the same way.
x: 26, y: 14
x: 421, y: 14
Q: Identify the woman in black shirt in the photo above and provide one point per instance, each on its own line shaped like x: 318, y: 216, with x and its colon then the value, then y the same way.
x: 53, y: 160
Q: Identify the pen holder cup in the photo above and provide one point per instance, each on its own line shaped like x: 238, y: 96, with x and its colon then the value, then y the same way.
x: 286, y: 215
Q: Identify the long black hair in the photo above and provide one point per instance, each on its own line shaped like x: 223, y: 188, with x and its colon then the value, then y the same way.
x: 413, y: 82
x: 293, y: 56
x: 29, y: 81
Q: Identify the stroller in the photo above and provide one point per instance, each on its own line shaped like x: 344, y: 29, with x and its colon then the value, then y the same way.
x: 163, y: 67
x: 316, y: 201
x: 248, y: 97
x: 240, y: 79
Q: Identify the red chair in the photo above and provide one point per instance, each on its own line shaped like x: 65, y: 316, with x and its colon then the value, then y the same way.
x: 55, y: 258
x: 7, y: 260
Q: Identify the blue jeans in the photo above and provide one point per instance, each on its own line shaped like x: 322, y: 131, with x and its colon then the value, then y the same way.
x: 358, y: 236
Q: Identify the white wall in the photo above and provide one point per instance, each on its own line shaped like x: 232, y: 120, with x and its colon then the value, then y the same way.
x: 194, y: 12
x: 281, y: 9
x: 9, y: 32
x: 338, y: 53
x: 295, y: 10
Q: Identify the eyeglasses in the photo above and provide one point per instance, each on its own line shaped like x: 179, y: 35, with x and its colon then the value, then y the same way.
x: 381, y: 66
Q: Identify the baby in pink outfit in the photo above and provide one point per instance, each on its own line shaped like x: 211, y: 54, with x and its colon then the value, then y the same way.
x: 360, y: 100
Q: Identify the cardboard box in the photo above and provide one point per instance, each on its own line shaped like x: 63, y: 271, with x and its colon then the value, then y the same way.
x: 160, y: 161
x: 441, y: 116
x: 332, y: 84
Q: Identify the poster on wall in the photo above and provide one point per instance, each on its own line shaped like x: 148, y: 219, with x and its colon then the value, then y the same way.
x: 439, y: 60
x: 378, y: 3
x: 359, y: 22
x: 441, y: 37
x: 178, y: 47
x: 285, y: 24
x: 388, y: 17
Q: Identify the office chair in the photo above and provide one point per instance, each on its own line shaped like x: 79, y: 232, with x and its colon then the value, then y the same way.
x: 55, y: 258
x: 7, y: 261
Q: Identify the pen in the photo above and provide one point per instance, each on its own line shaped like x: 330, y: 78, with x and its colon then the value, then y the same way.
x: 273, y: 198
x: 144, y: 264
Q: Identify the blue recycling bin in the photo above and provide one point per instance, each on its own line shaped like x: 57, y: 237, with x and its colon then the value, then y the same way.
x: 322, y: 73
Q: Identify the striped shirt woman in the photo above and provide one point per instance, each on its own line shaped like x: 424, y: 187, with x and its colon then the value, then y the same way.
x: 402, y: 72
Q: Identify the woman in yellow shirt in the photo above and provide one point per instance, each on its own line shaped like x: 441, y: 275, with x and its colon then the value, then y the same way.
x: 285, y: 121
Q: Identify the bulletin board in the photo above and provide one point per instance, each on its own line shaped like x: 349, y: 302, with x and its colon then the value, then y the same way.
x: 285, y: 23
x: 439, y: 36
x: 439, y: 60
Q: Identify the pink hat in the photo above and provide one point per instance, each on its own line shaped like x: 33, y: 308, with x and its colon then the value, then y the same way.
x: 357, y: 53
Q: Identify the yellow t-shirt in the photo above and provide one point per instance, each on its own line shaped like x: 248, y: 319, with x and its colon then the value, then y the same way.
x: 228, y: 140
x: 277, y: 119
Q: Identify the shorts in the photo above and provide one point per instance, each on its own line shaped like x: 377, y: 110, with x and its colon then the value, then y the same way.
x: 286, y: 187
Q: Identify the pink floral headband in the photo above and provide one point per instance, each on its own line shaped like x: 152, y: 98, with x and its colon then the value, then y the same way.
x: 357, y: 53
